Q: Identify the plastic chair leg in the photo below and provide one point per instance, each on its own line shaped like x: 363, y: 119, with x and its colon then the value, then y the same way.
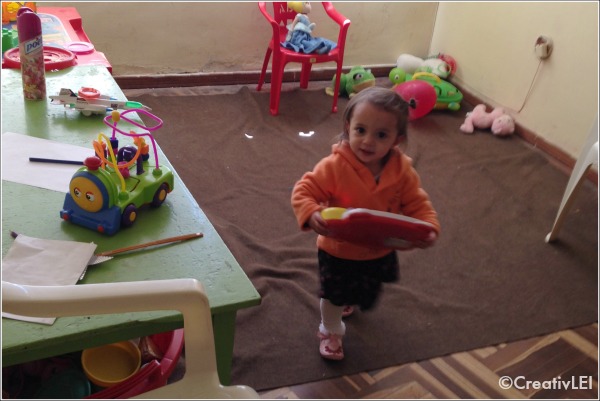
x: 263, y: 72
x: 573, y: 186
x: 305, y: 75
x: 588, y: 157
x: 276, y: 78
x: 336, y: 88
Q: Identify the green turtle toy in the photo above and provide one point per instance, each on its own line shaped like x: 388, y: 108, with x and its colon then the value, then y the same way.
x: 353, y: 82
x: 448, y: 95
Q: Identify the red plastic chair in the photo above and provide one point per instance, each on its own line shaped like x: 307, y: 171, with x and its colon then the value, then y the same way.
x: 281, y: 17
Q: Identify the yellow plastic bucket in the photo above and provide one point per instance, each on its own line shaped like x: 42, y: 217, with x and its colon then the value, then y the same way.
x: 111, y: 364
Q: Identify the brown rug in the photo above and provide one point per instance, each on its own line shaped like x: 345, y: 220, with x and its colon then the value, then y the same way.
x: 491, y: 278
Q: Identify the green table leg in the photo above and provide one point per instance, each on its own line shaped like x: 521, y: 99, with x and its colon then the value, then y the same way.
x: 224, y: 332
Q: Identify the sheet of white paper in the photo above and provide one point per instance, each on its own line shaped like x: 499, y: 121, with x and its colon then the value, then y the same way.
x: 35, y: 261
x: 16, y: 167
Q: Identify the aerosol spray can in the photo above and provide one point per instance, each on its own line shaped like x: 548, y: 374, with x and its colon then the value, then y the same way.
x: 31, y: 52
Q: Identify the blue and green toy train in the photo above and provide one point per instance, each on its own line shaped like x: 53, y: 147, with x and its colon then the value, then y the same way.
x: 106, y: 194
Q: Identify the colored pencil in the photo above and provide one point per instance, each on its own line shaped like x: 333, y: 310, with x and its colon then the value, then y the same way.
x: 148, y: 244
x: 56, y: 161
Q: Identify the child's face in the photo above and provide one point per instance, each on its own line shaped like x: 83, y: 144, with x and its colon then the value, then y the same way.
x: 372, y: 132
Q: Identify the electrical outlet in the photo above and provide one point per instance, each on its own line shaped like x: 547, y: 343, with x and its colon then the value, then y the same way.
x: 543, y: 47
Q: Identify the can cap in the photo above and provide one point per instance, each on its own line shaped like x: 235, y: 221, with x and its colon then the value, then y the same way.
x: 29, y: 24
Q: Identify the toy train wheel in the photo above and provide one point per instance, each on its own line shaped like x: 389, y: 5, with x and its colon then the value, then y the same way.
x: 160, y: 195
x: 129, y: 215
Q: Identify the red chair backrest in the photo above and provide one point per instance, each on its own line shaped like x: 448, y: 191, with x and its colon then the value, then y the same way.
x: 282, y: 16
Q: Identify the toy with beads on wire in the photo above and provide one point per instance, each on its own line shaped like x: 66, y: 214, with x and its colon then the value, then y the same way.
x: 106, y: 194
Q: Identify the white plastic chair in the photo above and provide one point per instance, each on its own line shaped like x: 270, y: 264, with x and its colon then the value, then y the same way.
x: 201, y: 379
x: 587, y: 158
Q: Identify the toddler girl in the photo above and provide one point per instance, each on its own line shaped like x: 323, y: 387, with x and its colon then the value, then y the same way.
x: 366, y: 169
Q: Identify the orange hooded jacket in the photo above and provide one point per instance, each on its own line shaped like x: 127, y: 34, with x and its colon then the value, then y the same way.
x: 341, y: 180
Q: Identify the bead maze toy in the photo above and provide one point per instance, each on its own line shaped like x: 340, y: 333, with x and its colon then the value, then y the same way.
x: 105, y: 195
x: 375, y: 228
x: 90, y: 101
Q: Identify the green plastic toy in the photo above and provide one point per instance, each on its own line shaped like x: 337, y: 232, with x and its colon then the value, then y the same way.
x: 353, y: 82
x: 448, y: 95
x: 10, y: 39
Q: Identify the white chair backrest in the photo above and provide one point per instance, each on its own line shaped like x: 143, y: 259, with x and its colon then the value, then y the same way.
x: 201, y: 379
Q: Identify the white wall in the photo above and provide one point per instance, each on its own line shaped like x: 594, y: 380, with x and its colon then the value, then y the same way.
x: 494, y: 46
x: 178, y: 37
x: 492, y: 42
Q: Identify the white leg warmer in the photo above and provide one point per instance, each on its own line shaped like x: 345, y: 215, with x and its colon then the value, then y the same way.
x: 331, y: 318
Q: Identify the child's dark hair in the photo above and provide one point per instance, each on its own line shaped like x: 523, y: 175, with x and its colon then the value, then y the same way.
x: 385, y: 98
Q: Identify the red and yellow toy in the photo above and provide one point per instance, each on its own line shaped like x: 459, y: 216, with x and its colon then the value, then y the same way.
x: 10, y: 8
x: 376, y: 228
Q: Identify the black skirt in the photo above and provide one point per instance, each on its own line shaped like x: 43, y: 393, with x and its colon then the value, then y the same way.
x: 355, y: 282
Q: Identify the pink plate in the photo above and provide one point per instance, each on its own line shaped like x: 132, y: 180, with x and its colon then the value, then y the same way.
x: 80, y: 47
x: 55, y: 58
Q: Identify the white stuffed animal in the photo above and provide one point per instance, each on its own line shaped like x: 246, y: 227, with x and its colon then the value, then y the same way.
x: 411, y: 64
x: 500, y: 123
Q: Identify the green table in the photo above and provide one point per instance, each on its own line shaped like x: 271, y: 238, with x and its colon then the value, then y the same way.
x: 35, y: 212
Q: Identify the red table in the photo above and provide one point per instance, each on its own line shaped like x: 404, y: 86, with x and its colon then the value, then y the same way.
x: 62, y: 28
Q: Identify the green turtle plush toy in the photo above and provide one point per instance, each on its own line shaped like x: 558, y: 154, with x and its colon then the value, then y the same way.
x: 353, y: 82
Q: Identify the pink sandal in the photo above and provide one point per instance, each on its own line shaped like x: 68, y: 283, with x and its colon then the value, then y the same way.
x: 331, y: 346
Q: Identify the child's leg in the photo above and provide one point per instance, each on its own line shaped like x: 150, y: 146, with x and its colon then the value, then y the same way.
x: 331, y: 318
x: 331, y: 331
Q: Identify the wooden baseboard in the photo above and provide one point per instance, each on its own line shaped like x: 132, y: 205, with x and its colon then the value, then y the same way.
x: 226, y: 78
x: 562, y: 158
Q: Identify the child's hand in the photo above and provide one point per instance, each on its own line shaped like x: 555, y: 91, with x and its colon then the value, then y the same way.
x: 429, y: 241
x: 318, y: 223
